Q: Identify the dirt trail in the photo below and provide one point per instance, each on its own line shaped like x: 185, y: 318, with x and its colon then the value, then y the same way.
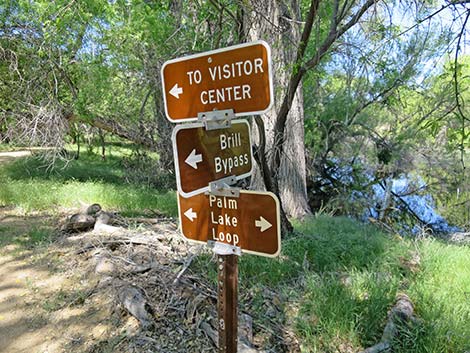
x: 36, y: 287
x: 11, y: 156
x: 22, y: 329
x: 41, y: 304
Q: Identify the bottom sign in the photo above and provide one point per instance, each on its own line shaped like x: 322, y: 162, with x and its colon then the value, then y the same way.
x: 250, y: 221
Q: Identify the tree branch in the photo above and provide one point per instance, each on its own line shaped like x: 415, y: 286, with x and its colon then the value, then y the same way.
x: 112, y: 126
x: 335, y: 33
x: 457, y: 92
x: 298, y: 72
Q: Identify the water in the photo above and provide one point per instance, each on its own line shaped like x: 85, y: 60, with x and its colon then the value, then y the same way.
x: 407, y: 196
x: 409, y: 189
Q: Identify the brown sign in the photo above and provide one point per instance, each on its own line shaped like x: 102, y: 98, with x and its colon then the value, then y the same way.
x: 203, y: 156
x: 237, y: 77
x: 250, y: 221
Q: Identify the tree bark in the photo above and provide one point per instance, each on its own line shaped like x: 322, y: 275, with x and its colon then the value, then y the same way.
x: 278, y: 23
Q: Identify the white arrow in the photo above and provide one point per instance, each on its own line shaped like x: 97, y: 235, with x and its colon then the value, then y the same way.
x: 175, y: 91
x: 190, y: 214
x: 263, y: 224
x: 193, y: 159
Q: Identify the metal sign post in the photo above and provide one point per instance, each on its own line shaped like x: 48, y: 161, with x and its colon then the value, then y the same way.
x: 227, y: 266
x: 227, y: 298
x: 227, y: 303
x: 227, y: 279
x: 212, y: 154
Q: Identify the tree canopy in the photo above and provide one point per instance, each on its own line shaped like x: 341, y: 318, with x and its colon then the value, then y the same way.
x: 382, y: 86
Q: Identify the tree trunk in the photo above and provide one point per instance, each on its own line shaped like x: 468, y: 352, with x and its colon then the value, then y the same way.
x: 277, y: 22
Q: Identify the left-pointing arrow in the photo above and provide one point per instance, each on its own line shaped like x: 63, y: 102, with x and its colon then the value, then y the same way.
x: 191, y: 214
x: 175, y: 91
x: 193, y: 159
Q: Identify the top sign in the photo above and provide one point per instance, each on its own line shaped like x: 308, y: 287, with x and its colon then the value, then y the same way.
x: 237, y: 77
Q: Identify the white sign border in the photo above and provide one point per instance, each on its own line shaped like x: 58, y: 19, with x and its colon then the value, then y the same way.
x: 221, y: 50
x: 278, y: 216
x: 176, y: 160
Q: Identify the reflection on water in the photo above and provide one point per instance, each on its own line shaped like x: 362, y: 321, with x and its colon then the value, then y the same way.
x: 407, y: 194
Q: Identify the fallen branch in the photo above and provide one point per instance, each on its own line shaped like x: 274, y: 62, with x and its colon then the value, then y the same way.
x: 141, y: 269
x: 112, y: 126
x: 106, y: 228
x: 401, y: 312
x: 186, y: 265
x: 90, y: 217
x: 91, y: 210
x: 79, y: 223
x: 119, y: 242
x: 133, y: 299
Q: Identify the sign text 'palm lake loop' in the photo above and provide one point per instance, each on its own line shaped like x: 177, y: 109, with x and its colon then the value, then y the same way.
x: 250, y: 221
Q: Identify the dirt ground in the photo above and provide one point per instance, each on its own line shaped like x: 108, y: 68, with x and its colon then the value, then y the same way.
x: 11, y: 156
x: 38, y: 287
x: 62, y: 294
x: 45, y: 305
x: 54, y: 300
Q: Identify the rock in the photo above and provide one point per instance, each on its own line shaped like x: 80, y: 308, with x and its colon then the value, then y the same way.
x: 104, y: 266
x: 134, y: 301
x: 460, y: 238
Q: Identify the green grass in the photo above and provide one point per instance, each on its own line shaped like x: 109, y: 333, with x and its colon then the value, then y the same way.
x: 8, y: 148
x: 29, y: 185
x: 24, y: 237
x: 337, y: 279
x: 33, y: 236
x: 64, y: 298
x: 326, y: 244
x: 31, y: 194
x: 340, y: 275
x: 87, y: 167
x: 441, y: 293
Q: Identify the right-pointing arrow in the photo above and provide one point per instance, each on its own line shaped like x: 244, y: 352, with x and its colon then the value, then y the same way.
x: 263, y: 224
x: 191, y: 214
x: 193, y: 159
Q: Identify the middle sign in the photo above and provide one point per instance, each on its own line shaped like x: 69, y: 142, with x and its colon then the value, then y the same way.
x: 203, y: 156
